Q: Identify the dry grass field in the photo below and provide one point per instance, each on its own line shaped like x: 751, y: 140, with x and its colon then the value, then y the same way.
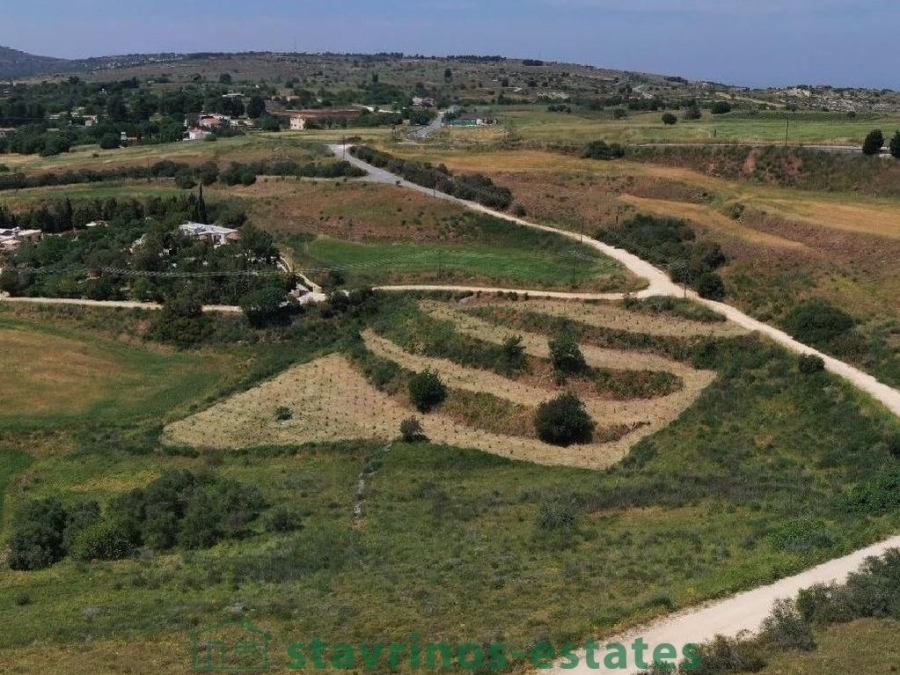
x: 54, y: 375
x: 330, y: 401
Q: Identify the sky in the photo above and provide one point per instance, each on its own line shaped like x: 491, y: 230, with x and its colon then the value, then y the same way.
x: 742, y: 42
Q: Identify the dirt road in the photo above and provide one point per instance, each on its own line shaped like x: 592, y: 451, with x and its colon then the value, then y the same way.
x: 742, y: 612
x: 659, y: 284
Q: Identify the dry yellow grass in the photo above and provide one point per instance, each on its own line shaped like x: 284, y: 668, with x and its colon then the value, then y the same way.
x: 331, y: 401
x: 168, y: 654
x: 606, y: 315
x: 709, y: 217
x: 46, y: 374
x: 647, y: 416
x: 869, y: 218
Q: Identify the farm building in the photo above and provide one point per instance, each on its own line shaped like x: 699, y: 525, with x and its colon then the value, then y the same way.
x: 211, y: 233
x: 304, y: 119
x: 10, y: 239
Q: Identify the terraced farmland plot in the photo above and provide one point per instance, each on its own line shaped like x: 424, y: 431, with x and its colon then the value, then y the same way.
x: 330, y: 400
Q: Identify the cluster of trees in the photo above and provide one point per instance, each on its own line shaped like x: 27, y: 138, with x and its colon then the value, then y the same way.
x: 50, y: 117
x: 179, y: 509
x: 247, y: 173
x: 875, y: 141
x: 672, y: 243
x: 474, y: 187
x: 64, y: 215
x: 186, y: 176
x: 602, y: 150
x: 142, y: 254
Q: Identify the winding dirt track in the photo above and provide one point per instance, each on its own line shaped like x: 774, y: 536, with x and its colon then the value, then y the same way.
x: 743, y: 612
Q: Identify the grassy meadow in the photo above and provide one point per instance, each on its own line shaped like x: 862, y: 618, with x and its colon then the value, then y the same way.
x: 535, y: 123
x: 748, y: 485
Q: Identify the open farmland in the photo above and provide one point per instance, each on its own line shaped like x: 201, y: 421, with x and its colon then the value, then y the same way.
x: 330, y: 401
x: 535, y: 123
x: 57, y: 376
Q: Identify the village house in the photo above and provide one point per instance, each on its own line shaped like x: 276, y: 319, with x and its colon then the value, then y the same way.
x: 305, y: 119
x: 196, y: 134
x: 473, y: 121
x: 212, y: 233
x: 424, y: 102
x: 10, y: 239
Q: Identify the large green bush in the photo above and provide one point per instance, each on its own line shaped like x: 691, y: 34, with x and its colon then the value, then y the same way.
x: 565, y: 354
x: 817, y: 322
x: 564, y: 421
x: 426, y: 391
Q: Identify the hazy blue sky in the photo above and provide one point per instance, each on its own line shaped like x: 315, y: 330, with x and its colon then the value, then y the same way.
x: 752, y: 42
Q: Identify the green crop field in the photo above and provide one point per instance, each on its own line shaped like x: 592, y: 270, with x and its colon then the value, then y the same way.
x: 377, y: 264
x: 536, y: 124
x: 449, y: 543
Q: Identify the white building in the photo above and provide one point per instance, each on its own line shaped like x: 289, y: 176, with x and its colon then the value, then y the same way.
x: 212, y: 233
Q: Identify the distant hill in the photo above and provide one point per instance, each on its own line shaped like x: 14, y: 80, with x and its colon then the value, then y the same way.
x: 14, y: 63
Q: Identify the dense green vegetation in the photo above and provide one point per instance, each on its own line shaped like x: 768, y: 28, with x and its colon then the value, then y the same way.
x: 140, y: 253
x: 672, y: 243
x: 473, y: 187
x: 178, y: 509
x: 780, y: 498
x: 795, y: 625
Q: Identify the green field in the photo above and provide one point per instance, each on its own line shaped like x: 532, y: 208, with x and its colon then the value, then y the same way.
x: 61, y: 377
x: 374, y: 264
x: 534, y: 123
x: 454, y: 544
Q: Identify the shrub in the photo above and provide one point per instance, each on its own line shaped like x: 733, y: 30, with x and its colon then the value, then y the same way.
x: 563, y: 421
x: 38, y: 535
x: 711, y: 286
x: 602, y: 150
x: 720, y: 108
x: 669, y: 119
x: 184, y: 181
x: 893, y: 445
x: 284, y: 519
x: 894, y: 146
x: 873, y: 143
x: 411, y: 430
x: 283, y: 414
x: 785, y: 628
x: 426, y: 391
x: 268, y: 306
x: 109, y: 141
x: 180, y: 321
x: 556, y: 515
x: 810, y: 363
x: 512, y: 357
x: 104, y: 540
x: 565, y: 354
x: 816, y: 322
x: 728, y: 655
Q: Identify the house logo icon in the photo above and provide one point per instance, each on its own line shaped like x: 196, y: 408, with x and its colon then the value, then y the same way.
x: 230, y: 647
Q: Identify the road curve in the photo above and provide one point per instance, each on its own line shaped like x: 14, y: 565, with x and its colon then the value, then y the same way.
x: 731, y: 617
x: 743, y: 612
x: 658, y: 284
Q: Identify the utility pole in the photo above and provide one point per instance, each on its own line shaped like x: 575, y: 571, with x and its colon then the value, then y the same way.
x: 343, y: 148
